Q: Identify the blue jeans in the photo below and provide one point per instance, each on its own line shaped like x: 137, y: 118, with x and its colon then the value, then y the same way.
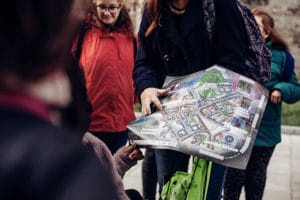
x: 149, y: 176
x: 168, y: 162
x: 216, y: 183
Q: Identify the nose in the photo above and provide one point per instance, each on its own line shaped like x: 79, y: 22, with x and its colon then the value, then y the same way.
x: 106, y: 11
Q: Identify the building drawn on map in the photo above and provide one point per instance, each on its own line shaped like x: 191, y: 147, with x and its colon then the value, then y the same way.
x: 213, y: 114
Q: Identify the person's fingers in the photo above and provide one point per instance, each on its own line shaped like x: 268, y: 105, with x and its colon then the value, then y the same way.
x: 139, y: 156
x: 276, y: 96
x: 275, y: 99
x: 157, y: 103
x: 130, y: 148
x: 149, y: 96
x: 146, y: 108
x: 132, y: 155
x: 161, y: 92
x: 278, y: 99
x: 146, y: 96
x: 136, y: 154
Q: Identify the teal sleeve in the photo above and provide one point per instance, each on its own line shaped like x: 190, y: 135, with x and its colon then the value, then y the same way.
x: 277, y: 61
x: 290, y: 91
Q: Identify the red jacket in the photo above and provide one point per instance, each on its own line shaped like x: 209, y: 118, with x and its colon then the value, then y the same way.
x: 107, y: 59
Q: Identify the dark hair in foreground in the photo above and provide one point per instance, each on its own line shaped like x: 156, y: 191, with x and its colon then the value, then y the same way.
x: 36, y: 35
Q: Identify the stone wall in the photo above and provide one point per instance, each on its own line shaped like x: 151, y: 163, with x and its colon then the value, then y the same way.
x: 135, y: 8
x: 285, y: 12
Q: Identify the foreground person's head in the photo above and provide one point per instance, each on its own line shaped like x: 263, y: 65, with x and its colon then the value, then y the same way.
x: 35, y: 39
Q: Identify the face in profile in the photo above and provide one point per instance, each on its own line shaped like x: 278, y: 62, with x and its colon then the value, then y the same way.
x: 262, y: 29
x: 108, y: 11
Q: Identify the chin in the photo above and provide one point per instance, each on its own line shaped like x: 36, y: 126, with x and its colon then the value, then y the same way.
x: 109, y: 22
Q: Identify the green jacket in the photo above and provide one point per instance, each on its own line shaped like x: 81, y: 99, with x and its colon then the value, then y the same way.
x: 269, y: 133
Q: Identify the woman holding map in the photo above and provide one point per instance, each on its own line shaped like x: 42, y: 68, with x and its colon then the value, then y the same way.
x: 174, y: 40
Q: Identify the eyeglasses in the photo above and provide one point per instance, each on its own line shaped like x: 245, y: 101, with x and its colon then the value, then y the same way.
x: 113, y: 9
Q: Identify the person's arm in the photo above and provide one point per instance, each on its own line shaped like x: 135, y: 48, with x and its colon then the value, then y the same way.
x: 144, y: 73
x: 126, y: 157
x: 104, y: 156
x: 147, y: 78
x: 290, y: 91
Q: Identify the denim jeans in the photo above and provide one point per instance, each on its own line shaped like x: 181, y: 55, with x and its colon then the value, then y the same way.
x: 168, y: 162
x: 216, y: 183
x: 149, y: 175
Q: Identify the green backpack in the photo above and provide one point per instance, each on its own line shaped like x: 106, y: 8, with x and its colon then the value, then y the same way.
x: 189, y: 186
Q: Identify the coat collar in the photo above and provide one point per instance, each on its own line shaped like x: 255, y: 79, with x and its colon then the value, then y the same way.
x: 188, y: 21
x: 19, y: 101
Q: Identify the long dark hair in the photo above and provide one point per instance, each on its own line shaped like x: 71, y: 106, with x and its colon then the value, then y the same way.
x: 124, y: 20
x: 36, y: 35
x: 156, y: 11
x: 269, y: 27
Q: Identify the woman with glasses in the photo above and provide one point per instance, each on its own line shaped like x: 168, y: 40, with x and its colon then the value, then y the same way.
x: 107, y: 60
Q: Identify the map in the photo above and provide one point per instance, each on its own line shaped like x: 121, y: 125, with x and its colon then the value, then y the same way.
x: 212, y: 114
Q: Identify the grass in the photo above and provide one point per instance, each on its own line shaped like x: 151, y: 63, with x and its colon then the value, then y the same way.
x: 137, y: 107
x: 291, y: 114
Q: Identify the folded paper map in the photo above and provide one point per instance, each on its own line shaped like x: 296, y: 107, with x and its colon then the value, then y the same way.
x: 212, y: 114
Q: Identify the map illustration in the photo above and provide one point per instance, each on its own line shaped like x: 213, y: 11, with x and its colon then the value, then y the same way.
x: 213, y: 114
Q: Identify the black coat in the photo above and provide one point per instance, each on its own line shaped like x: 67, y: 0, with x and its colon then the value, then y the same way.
x: 180, y: 45
x: 40, y: 161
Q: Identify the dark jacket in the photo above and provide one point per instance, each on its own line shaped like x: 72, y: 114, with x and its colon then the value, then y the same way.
x: 269, y: 133
x: 40, y: 161
x: 180, y: 45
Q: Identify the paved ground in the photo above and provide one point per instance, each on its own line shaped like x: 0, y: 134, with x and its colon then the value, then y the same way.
x: 283, y: 182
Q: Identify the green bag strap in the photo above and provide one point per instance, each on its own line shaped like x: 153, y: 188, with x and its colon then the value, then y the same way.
x: 200, y: 169
x: 208, y: 173
x: 194, y: 169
